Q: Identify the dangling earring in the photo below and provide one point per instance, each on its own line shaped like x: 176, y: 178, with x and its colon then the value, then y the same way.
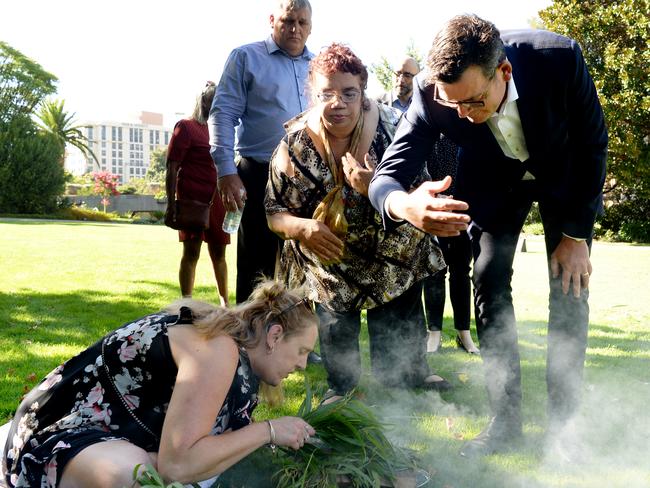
x: 269, y: 349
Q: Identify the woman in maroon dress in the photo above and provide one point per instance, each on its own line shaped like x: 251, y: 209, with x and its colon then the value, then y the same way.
x: 191, y: 174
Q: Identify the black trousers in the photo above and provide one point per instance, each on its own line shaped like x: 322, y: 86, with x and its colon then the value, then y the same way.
x: 495, y: 318
x: 397, y: 346
x: 457, y: 252
x: 257, y: 245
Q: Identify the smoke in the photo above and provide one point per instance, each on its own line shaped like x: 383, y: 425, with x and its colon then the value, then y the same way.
x: 604, y: 445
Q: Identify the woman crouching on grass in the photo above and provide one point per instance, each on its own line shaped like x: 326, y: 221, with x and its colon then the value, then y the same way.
x: 150, y: 391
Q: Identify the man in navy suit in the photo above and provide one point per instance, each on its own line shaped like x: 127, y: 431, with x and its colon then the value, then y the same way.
x: 524, y: 111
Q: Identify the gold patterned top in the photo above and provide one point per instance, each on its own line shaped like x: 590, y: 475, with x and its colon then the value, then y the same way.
x: 377, y: 265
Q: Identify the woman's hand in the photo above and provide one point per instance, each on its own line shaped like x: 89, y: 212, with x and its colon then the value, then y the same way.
x: 319, y: 239
x: 291, y: 431
x: 357, y: 174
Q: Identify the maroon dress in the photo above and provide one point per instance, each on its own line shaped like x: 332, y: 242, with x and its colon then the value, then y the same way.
x: 197, y: 177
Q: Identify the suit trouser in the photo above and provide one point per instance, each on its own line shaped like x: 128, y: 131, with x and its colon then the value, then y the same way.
x: 396, y: 336
x: 495, y: 318
x: 457, y: 252
x: 257, y: 245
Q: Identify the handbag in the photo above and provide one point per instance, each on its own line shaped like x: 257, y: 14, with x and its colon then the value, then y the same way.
x: 189, y: 215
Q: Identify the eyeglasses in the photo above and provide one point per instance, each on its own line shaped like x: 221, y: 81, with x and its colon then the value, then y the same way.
x: 468, y: 104
x: 303, y: 301
x: 404, y: 74
x: 346, y: 97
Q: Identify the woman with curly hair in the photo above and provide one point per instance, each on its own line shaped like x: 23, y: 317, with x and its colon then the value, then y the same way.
x: 335, y: 241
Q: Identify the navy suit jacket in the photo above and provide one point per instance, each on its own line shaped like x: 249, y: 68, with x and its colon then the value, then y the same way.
x: 563, y: 125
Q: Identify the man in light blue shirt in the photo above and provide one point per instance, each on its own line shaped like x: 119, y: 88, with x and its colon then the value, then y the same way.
x: 261, y: 87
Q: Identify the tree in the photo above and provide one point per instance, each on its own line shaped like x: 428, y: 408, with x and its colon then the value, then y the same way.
x: 105, y: 186
x: 23, y: 83
x: 55, y: 120
x: 157, y: 166
x: 31, y: 177
x: 614, y: 35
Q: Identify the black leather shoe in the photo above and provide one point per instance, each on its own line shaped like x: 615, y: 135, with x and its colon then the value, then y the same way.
x: 313, y: 358
x: 440, y: 385
x: 460, y: 345
x: 498, y: 436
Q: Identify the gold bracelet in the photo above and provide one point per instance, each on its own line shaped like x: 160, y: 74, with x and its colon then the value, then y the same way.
x: 272, y: 436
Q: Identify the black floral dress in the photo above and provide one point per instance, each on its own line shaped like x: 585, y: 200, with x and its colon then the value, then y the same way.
x: 119, y: 388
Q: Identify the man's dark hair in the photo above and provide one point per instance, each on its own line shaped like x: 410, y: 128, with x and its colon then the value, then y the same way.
x: 464, y: 41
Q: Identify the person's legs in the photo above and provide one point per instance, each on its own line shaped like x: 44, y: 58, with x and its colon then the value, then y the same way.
x: 434, y: 305
x: 105, y: 465
x: 191, y: 253
x: 458, y: 257
x: 339, y: 347
x: 433, y: 288
x: 397, y: 349
x: 218, y: 257
x: 257, y: 245
x: 496, y: 325
x: 568, y: 324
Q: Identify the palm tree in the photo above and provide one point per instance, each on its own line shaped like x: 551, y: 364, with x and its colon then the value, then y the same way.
x: 55, y: 120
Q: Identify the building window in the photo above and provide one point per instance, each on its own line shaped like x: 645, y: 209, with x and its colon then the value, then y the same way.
x: 103, y: 132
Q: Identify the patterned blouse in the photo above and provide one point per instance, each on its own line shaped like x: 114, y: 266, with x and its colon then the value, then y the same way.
x: 377, y: 265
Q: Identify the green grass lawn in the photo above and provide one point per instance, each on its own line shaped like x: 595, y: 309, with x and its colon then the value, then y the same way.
x: 65, y: 284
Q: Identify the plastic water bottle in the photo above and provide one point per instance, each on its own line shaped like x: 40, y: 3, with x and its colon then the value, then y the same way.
x: 233, y: 218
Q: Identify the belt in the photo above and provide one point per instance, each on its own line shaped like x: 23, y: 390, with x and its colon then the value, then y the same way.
x: 253, y: 160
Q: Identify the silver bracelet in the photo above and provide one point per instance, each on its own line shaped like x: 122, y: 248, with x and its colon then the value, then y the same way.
x: 272, y: 436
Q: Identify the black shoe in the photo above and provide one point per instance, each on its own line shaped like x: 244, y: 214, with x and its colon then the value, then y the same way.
x: 460, y: 345
x: 440, y: 385
x: 313, y: 358
x: 498, y: 436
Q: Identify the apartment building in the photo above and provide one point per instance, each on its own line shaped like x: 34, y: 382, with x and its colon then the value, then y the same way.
x: 123, y: 148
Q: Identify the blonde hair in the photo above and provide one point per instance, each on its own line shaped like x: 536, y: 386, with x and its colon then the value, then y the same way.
x: 270, y: 303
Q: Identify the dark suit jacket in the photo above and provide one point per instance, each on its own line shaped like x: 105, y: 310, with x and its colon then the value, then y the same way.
x: 563, y: 124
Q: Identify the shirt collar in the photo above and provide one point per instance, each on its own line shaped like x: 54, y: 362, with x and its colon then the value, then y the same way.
x: 272, y: 47
x: 511, y: 96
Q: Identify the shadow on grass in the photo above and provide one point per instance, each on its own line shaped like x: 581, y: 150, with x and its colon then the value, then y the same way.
x: 40, y: 330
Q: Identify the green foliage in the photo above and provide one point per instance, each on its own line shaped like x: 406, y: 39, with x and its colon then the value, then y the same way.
x: 350, y: 445
x: 31, y: 176
x: 55, y: 120
x: 135, y: 186
x: 615, y: 35
x: 150, y: 478
x: 157, y: 166
x: 627, y: 221
x: 383, y: 71
x: 86, y: 214
x: 23, y: 83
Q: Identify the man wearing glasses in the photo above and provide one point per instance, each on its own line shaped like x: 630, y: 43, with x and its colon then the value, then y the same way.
x: 400, y: 98
x: 525, y: 114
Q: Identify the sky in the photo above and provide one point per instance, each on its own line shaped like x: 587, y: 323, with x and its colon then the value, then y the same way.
x: 115, y: 59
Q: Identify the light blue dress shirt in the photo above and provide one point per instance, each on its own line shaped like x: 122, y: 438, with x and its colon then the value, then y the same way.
x: 261, y: 88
